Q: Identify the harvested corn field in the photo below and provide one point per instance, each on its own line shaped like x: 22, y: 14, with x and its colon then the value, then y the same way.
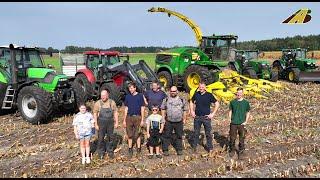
x: 282, y: 141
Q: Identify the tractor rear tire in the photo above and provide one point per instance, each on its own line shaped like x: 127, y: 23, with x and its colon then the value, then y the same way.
x: 293, y: 75
x: 86, y: 85
x: 250, y: 73
x: 165, y: 76
x: 114, y: 92
x: 35, y: 104
x: 200, y: 73
x: 274, y: 76
x: 277, y: 67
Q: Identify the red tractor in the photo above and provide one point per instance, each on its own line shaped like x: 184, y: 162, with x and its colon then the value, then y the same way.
x: 98, y: 70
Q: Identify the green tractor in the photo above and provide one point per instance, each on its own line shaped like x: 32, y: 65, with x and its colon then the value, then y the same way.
x: 35, y: 90
x: 186, y: 66
x: 296, y: 67
x: 247, y: 63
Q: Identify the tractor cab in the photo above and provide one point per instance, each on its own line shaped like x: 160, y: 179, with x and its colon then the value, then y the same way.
x: 101, y: 62
x: 218, y: 47
x: 25, y: 58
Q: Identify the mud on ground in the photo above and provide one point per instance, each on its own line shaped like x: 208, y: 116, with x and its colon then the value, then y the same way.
x: 282, y: 141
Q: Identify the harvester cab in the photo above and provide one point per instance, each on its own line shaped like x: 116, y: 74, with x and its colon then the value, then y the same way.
x: 218, y: 47
x: 296, y: 67
x: 35, y: 90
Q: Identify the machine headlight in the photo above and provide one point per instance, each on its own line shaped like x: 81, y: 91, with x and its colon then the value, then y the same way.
x: 63, y: 79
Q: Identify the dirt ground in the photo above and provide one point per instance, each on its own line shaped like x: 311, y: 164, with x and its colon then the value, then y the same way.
x: 282, y: 141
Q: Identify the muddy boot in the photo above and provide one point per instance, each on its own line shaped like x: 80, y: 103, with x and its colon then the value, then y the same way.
x: 130, y: 152
x: 232, y: 153
x: 241, y: 154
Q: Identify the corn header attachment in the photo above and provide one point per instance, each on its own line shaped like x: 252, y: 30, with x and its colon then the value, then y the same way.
x: 229, y: 81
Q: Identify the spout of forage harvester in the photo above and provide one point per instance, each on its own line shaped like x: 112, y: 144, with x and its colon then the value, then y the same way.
x: 152, y: 9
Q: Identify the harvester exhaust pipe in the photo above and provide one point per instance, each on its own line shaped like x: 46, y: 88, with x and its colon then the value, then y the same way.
x: 309, y: 76
x: 13, y: 63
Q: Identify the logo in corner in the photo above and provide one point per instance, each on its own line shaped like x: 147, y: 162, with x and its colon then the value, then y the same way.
x: 300, y: 17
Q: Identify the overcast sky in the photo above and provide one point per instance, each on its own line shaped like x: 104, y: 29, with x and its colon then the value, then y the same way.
x: 107, y: 24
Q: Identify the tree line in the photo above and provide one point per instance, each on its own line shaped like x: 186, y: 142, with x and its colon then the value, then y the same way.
x: 312, y: 42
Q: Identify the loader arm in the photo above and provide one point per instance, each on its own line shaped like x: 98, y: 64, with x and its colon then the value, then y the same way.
x: 196, y: 29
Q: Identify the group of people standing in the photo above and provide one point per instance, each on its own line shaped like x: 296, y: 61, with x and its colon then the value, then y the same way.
x: 167, y: 115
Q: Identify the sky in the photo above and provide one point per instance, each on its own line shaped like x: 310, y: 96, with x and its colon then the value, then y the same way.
x: 109, y: 24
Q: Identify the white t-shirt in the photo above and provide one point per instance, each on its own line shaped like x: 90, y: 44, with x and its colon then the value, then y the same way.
x: 155, y: 120
x: 84, y: 123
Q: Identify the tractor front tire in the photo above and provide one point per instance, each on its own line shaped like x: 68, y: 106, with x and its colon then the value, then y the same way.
x: 35, y: 104
x: 114, y: 92
x: 194, y: 75
x: 250, y: 73
x: 86, y: 85
x: 79, y: 96
x: 293, y: 75
x: 165, y: 78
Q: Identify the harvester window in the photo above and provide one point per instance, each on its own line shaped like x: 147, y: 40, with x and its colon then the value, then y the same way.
x: 163, y: 58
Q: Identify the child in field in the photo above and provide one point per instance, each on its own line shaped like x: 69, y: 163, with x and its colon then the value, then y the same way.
x: 155, y: 125
x: 83, y: 123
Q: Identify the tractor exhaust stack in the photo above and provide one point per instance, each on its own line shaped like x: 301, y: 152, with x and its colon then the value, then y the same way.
x: 13, y: 63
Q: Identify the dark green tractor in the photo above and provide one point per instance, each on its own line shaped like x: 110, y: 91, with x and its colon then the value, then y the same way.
x: 248, y: 63
x: 34, y: 90
x: 294, y: 66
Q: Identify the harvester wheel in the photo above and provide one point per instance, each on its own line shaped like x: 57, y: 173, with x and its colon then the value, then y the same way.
x: 194, y: 75
x: 274, y: 76
x: 250, y: 73
x: 277, y: 67
x: 165, y: 78
x: 35, y: 104
x: 114, y: 92
x: 293, y: 75
x: 86, y: 85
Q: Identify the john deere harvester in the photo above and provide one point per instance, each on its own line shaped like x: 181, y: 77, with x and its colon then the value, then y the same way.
x: 35, y: 90
x: 186, y: 67
x: 247, y: 63
x: 296, y: 67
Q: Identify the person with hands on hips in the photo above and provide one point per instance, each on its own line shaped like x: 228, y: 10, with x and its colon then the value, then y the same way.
x: 200, y: 110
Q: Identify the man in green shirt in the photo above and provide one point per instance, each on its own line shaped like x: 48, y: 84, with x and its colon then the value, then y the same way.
x: 239, y: 115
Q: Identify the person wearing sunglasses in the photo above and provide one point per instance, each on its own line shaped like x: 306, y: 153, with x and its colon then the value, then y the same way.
x: 174, y: 110
x: 239, y: 113
x: 155, y: 125
x: 200, y: 105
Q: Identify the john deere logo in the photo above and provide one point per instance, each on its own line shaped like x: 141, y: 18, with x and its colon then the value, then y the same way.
x: 300, y: 17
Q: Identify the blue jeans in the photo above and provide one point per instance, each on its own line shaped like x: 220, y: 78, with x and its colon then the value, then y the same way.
x: 198, y: 121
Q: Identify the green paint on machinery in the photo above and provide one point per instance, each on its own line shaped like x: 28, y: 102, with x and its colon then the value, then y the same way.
x: 294, y: 66
x: 248, y: 63
x: 34, y: 90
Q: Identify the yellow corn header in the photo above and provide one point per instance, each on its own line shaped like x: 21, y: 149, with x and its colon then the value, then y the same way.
x: 225, y: 89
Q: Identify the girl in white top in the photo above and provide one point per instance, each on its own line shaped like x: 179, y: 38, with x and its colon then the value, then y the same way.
x: 83, y: 124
